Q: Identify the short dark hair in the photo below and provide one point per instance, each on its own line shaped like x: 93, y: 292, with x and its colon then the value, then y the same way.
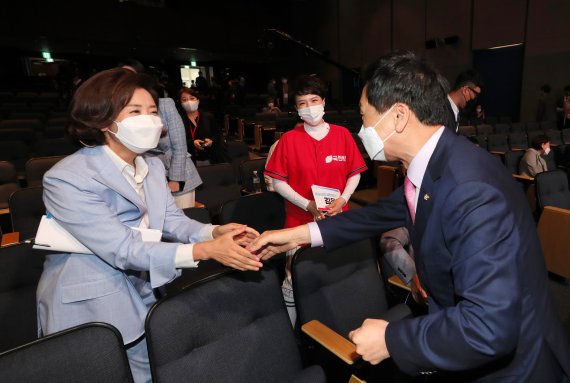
x: 468, y: 77
x: 190, y: 91
x: 309, y: 84
x: 133, y: 63
x: 100, y: 99
x: 538, y: 141
x: 403, y: 77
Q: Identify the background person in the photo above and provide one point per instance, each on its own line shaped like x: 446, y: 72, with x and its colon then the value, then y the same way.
x: 313, y: 153
x: 200, y: 127
x: 532, y: 162
x: 463, y: 96
x: 181, y: 173
x: 100, y: 195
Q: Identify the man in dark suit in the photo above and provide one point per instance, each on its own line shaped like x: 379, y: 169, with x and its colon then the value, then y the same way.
x: 477, y: 254
x: 463, y: 96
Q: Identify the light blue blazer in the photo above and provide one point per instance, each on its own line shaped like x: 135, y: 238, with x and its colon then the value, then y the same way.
x: 90, y: 198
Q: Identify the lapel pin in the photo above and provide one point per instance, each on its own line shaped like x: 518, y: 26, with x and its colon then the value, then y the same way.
x: 426, y: 197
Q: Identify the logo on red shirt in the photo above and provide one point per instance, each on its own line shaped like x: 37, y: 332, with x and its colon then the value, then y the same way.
x: 330, y: 158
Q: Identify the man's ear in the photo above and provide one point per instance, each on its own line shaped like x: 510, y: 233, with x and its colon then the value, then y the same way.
x: 402, y: 116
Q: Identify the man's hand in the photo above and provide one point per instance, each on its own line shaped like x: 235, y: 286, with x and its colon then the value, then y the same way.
x: 273, y: 242
x: 335, y: 206
x: 225, y: 248
x: 370, y: 340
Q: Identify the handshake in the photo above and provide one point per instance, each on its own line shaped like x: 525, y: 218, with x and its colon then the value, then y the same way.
x: 243, y: 248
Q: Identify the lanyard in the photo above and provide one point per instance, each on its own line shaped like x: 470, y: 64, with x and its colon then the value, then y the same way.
x: 193, y: 127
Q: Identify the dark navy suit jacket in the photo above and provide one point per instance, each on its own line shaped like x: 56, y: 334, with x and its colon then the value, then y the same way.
x: 478, y: 256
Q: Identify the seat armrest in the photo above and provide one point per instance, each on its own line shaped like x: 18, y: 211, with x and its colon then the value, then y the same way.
x: 332, y: 341
x: 396, y: 281
x: 523, y: 178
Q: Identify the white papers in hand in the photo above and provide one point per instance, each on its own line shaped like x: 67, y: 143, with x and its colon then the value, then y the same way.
x: 51, y: 236
x: 324, y: 195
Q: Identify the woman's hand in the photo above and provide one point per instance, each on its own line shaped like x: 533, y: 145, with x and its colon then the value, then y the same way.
x: 226, y: 247
x: 198, y: 144
x: 208, y: 142
x: 174, y: 186
x: 244, y: 239
x: 317, y: 214
x: 335, y: 206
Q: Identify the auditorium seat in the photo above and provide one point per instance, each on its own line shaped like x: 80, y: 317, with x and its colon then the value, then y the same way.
x: 219, y: 185
x: 88, y: 353
x: 26, y: 210
x: 8, y: 182
x: 341, y: 288
x: 20, y: 269
x: 231, y: 327
x: 552, y: 189
x: 36, y: 167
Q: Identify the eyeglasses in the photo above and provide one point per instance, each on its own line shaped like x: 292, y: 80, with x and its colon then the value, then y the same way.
x: 474, y: 91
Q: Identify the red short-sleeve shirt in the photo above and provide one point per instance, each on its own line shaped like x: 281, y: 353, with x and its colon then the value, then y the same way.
x: 302, y: 161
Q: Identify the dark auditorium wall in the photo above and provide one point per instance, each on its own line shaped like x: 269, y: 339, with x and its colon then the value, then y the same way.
x: 348, y: 32
x: 356, y: 31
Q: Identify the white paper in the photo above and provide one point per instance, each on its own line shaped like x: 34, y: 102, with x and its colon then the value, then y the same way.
x: 324, y: 195
x: 51, y: 236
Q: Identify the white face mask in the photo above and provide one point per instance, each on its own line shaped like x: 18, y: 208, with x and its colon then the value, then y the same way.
x: 546, y: 151
x: 312, y: 115
x: 191, y: 106
x: 139, y: 133
x: 372, y: 142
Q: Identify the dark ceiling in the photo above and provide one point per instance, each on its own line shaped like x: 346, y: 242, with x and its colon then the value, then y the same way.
x: 182, y: 30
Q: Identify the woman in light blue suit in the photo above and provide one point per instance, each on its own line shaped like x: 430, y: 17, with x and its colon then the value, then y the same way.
x: 100, y: 194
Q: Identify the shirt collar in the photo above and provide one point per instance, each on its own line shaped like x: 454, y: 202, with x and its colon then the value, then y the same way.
x: 418, y: 166
x: 454, y: 107
x: 137, y: 173
x: 316, y: 129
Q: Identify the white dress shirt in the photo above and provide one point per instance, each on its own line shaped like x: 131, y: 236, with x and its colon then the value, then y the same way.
x: 135, y: 177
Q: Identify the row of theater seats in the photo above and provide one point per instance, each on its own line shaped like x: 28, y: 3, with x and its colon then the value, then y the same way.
x: 262, y: 129
x: 505, y: 128
x: 495, y: 141
x: 33, y: 129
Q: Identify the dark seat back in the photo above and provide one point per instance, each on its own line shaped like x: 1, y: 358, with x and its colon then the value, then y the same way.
x: 552, y: 189
x: 340, y: 288
x: 88, y: 353
x: 232, y: 327
x: 262, y: 211
x: 512, y: 160
x: 219, y: 185
x: 20, y: 270
x: 26, y: 210
x: 8, y: 182
x: 36, y: 168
